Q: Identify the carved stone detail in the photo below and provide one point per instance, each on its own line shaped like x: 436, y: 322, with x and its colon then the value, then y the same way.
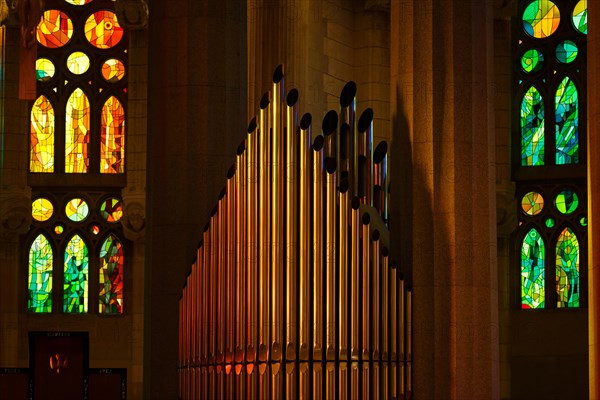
x: 15, y: 213
x: 132, y: 14
x: 8, y: 13
x: 134, y: 219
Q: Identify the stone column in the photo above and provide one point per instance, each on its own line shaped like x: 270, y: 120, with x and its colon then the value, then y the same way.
x: 444, y: 214
x: 196, y: 119
x: 593, y: 140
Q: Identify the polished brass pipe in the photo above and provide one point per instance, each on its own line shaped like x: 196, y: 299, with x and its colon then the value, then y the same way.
x: 304, y: 224
x: 277, y: 239
x: 214, y: 290
x: 264, y: 229
x: 304, y: 381
x: 365, y: 154
x: 318, y: 381
x: 329, y: 129
x: 380, y: 179
x: 181, y: 353
x: 241, y: 252
x: 291, y: 223
x: 366, y: 288
x: 221, y: 285
x: 367, y: 385
x: 344, y: 278
x: 331, y: 256
x: 206, y: 284
x: 277, y: 378
x: 252, y: 242
x: 355, y: 380
x: 230, y: 283
x: 264, y: 388
x: 251, y: 381
x: 291, y: 383
x: 394, y: 282
x: 343, y: 377
x: 330, y: 386
x: 317, y: 253
x: 400, y: 293
x: 408, y: 334
x: 350, y: 148
x: 239, y: 385
x: 377, y: 317
x: 355, y: 278
x: 385, y: 301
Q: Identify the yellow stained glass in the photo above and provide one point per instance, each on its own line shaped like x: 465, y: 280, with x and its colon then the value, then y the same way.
x: 78, y: 62
x: 78, y: 2
x: 44, y: 69
x: 112, y: 146
x: 113, y: 70
x: 42, y: 136
x: 77, y: 136
x: 55, y: 29
x: 42, y: 209
x: 102, y: 29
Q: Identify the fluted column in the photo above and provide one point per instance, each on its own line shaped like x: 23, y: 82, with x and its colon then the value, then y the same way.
x: 443, y: 172
x: 593, y: 69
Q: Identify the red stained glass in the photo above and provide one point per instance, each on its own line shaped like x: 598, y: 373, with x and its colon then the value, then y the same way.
x: 55, y: 29
x: 102, y: 29
x: 111, y: 276
x: 112, y: 147
x: 42, y: 136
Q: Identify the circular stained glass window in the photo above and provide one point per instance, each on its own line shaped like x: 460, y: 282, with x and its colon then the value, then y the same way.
x: 58, y: 229
x: 567, y: 201
x: 78, y: 2
x: 95, y: 229
x: 580, y: 16
x: 541, y: 18
x: 77, y: 210
x: 532, y: 203
x: 583, y: 221
x: 566, y: 52
x: 44, y: 69
x: 111, y: 210
x: 532, y: 60
x: 55, y: 29
x: 78, y: 62
x: 113, y: 70
x: 550, y: 222
x: 42, y: 209
x: 102, y: 29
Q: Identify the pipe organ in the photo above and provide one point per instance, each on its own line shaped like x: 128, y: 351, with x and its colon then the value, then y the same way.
x: 293, y: 294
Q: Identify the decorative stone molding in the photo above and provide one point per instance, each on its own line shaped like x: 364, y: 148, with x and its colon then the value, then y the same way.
x: 506, y: 216
x: 132, y: 14
x: 134, y: 219
x: 15, y: 213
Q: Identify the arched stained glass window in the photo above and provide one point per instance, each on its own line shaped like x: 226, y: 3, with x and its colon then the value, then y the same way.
x: 112, y: 151
x: 111, y: 276
x: 533, y: 272
x: 567, y: 269
x: 567, y: 123
x: 76, y: 132
x: 42, y: 136
x: 39, y: 299
x: 76, y: 276
x: 532, y: 128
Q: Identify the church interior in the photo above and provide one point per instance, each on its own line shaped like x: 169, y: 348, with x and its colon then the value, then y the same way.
x: 122, y: 123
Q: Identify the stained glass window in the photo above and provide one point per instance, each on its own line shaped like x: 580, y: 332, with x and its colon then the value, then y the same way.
x: 102, y: 29
x: 76, y: 132
x: 113, y: 138
x: 111, y: 276
x: 44, y: 69
x: 113, y: 70
x: 541, y: 18
x: 78, y: 62
x: 55, y: 29
x: 567, y: 269
x: 532, y: 270
x: 77, y: 210
x: 532, y: 128
x: 42, y: 136
x: 42, y: 209
x: 580, y: 16
x: 111, y: 210
x: 75, y: 299
x: 567, y: 123
x: 39, y: 299
x: 532, y: 60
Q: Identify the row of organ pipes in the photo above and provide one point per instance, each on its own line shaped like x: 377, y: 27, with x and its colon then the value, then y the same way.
x: 293, y: 294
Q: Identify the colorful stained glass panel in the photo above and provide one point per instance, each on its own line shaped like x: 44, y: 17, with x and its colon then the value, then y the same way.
x: 40, y: 276
x: 566, y: 51
x: 567, y: 123
x: 42, y: 136
x: 111, y: 276
x: 533, y: 258
x: 532, y: 203
x: 55, y: 29
x: 44, y: 69
x: 76, y: 266
x: 566, y: 202
x: 58, y: 229
x: 77, y: 132
x: 113, y: 70
x: 77, y: 210
x: 78, y: 62
x: 532, y: 128
x: 111, y: 210
x: 541, y: 18
x: 42, y: 209
x: 532, y: 60
x: 112, y: 144
x: 567, y: 269
x: 580, y: 16
x: 102, y: 29
x: 78, y: 2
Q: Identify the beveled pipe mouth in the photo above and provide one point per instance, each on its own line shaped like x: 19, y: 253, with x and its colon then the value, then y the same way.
x: 355, y: 203
x: 330, y: 122
x: 365, y: 120
x: 252, y: 125
x: 292, y: 97
x: 375, y: 235
x: 385, y: 252
x: 231, y: 172
x: 278, y: 74
x: 380, y: 152
x: 222, y: 194
x: 305, y: 121
x: 366, y: 219
x: 330, y: 165
x: 318, y: 143
x: 265, y: 100
x: 207, y: 226
x: 213, y: 212
x: 344, y: 186
x: 241, y: 148
x: 348, y: 94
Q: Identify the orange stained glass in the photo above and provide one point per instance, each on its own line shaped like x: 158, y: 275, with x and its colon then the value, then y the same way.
x: 55, y: 29
x: 79, y: 2
x: 112, y: 146
x: 77, y: 136
x: 42, y: 136
x: 102, y: 29
x: 113, y: 70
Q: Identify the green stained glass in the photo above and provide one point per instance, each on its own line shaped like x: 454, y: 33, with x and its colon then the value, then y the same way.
x: 566, y: 51
x: 58, y: 229
x: 580, y: 16
x: 566, y: 201
x: 77, y: 136
x: 111, y: 276
x: 541, y: 18
x: 42, y: 136
x: 583, y: 221
x: 40, y: 276
x: 76, y: 277
x: 111, y: 210
x: 77, y: 210
x: 550, y: 222
x: 532, y: 270
x: 532, y: 60
x: 567, y: 269
x: 567, y: 123
x: 532, y: 128
x: 42, y: 209
x: 44, y: 69
x: 532, y: 203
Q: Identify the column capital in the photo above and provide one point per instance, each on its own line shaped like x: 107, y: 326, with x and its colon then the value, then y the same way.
x: 132, y: 14
x: 134, y: 216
